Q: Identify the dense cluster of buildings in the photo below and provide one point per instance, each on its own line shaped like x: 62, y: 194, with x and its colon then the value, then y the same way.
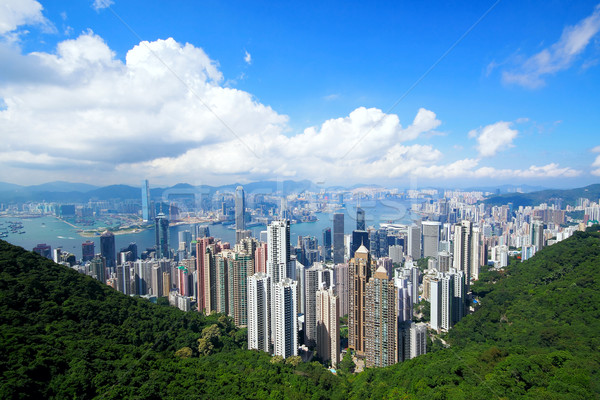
x: 291, y: 298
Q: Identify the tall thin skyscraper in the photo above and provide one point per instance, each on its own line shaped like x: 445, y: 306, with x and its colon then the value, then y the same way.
x: 342, y: 286
x: 361, y: 268
x: 360, y: 219
x: 259, y: 303
x: 162, y: 236
x: 381, y: 324
x: 338, y: 238
x: 108, y: 251
x: 431, y: 238
x: 327, y: 244
x: 316, y: 278
x: 284, y: 315
x: 328, y: 326
x: 146, y: 212
x: 201, y: 246
x: 279, y: 266
x: 414, y: 242
x: 241, y: 265
x: 462, y: 250
x: 240, y: 209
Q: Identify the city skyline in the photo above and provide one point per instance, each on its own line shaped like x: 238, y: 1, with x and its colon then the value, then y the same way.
x: 111, y: 92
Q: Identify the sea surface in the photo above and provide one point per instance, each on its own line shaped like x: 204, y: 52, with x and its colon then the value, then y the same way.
x: 56, y: 233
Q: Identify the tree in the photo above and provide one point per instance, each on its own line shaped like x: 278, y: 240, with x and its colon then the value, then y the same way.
x: 347, y: 365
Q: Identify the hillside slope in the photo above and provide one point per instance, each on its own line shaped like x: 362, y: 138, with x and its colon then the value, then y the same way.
x: 535, y: 335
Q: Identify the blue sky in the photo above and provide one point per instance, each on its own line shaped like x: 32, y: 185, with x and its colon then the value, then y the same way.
x: 394, y: 93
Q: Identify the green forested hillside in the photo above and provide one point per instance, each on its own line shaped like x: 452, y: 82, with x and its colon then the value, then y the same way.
x: 535, y: 335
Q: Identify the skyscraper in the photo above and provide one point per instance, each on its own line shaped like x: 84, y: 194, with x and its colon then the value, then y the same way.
x: 328, y: 326
x: 414, y: 242
x: 431, y: 238
x: 359, y: 238
x: 338, y: 238
x: 537, y: 234
x: 201, y: 246
x: 380, y: 321
x: 98, y: 268
x: 462, y: 250
x: 316, y: 278
x: 284, y: 314
x: 87, y: 250
x: 162, y: 236
x: 361, y: 268
x: 108, y: 251
x: 442, y: 301
x: 240, y: 209
x: 279, y: 266
x: 360, y: 219
x: 259, y: 303
x: 241, y: 265
x: 342, y: 286
x: 327, y: 244
x: 146, y: 209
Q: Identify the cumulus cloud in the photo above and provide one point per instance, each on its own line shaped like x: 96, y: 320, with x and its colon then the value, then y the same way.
x: 164, y: 113
x: 248, y: 58
x: 102, y: 4
x: 559, y: 56
x: 494, y: 138
x: 14, y: 13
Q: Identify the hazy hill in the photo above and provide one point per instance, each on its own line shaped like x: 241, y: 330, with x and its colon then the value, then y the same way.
x: 568, y: 196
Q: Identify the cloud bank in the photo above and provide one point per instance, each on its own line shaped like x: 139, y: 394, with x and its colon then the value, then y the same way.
x: 164, y: 113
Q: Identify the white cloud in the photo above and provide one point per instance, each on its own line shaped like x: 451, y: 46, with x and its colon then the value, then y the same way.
x: 14, y: 13
x: 596, y: 163
x: 494, y: 138
x: 102, y: 4
x: 248, y: 58
x: 559, y: 56
x: 164, y: 114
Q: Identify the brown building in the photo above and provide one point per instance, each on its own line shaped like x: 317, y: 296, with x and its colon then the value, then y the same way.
x: 380, y: 321
x: 361, y: 268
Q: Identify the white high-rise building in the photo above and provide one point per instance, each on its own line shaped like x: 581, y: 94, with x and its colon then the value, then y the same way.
x: 463, y: 248
x: 418, y: 340
x: 435, y: 299
x: 447, y: 303
x: 317, y: 277
x: 341, y: 286
x: 475, y: 254
x: 328, y: 326
x: 441, y: 295
x: 395, y: 253
x: 259, y: 311
x: 279, y: 266
x: 284, y: 315
x: 431, y: 238
x: 404, y: 303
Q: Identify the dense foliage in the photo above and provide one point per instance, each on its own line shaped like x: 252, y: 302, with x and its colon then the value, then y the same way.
x: 535, y: 334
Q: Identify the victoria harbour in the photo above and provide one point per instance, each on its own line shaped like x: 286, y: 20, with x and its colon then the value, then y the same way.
x: 58, y: 233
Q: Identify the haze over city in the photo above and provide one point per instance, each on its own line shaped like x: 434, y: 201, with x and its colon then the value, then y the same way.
x: 106, y: 92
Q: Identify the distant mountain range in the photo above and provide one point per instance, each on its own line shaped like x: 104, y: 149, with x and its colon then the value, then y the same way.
x: 61, y: 191
x: 567, y: 196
